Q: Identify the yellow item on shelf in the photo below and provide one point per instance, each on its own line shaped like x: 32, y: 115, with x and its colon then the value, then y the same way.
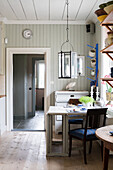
x: 101, y: 18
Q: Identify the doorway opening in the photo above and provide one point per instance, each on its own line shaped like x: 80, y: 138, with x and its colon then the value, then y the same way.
x: 38, y: 90
x: 9, y: 79
x: 28, y: 92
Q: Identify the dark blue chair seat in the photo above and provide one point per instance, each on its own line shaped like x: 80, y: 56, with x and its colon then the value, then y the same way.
x: 79, y: 133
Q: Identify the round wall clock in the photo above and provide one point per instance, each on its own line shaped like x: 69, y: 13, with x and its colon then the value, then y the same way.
x: 27, y: 33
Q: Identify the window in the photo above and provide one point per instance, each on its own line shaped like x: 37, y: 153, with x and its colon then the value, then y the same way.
x: 81, y: 65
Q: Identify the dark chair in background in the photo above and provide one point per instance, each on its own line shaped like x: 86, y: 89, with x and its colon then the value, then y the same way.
x: 78, y: 120
x: 95, y: 118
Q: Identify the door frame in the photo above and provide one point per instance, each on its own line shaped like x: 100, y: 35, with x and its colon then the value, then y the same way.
x: 9, y: 79
x: 33, y: 81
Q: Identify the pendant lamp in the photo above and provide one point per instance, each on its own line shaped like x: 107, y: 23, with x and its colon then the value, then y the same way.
x: 67, y: 59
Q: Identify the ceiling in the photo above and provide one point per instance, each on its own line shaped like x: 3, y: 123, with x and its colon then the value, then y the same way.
x: 48, y: 11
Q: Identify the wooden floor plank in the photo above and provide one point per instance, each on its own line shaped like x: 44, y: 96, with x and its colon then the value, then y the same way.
x: 27, y: 151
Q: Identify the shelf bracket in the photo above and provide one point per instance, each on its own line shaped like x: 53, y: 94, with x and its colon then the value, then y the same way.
x: 109, y: 84
x: 90, y: 46
x: 90, y: 68
x: 109, y: 56
x: 108, y: 27
x: 90, y: 79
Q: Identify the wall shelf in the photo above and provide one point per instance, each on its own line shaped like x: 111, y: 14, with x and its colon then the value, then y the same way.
x: 108, y: 81
x: 96, y: 67
x: 107, y: 50
x: 108, y: 21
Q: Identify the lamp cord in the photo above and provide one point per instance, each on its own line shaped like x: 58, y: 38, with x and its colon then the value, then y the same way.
x: 67, y: 29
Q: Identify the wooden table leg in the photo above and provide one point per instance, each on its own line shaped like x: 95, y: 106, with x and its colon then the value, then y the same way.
x: 105, y: 158
x: 48, y: 136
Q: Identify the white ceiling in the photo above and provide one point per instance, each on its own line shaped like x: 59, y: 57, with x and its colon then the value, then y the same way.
x: 48, y: 11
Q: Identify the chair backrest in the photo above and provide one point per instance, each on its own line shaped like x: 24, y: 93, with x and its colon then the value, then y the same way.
x: 74, y: 101
x: 95, y: 118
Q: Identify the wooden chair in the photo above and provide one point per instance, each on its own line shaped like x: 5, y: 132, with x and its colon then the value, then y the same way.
x: 95, y: 118
x: 78, y: 120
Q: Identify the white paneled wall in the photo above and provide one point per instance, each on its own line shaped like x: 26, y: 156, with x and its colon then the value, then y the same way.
x: 52, y: 36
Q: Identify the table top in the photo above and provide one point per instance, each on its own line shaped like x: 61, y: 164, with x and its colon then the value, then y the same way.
x: 104, y: 135
x: 60, y: 110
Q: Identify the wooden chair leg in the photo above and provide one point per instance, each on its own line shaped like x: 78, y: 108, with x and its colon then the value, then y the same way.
x: 70, y: 145
x: 90, y: 147
x: 85, y: 161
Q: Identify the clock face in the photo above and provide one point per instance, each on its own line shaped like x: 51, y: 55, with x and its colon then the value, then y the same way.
x: 27, y: 33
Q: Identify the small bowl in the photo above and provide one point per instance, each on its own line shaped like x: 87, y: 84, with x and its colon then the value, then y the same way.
x: 100, y: 12
x: 109, y: 3
x: 92, y: 53
x: 108, y: 41
x: 93, y: 62
x: 83, y: 108
x: 102, y: 6
x: 80, y: 105
x: 93, y: 73
x: 108, y: 8
x: 110, y: 34
x: 101, y: 18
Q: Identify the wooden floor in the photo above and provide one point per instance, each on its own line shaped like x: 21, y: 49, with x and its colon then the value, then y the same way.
x: 27, y: 151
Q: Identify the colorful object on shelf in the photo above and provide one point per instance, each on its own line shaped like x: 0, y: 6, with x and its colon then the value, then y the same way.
x: 93, y: 72
x: 109, y: 96
x: 93, y: 62
x: 101, y: 18
x: 109, y: 7
x: 109, y: 3
x: 108, y: 21
x: 100, y: 12
x: 102, y: 6
x: 109, y: 40
x: 104, y: 10
x: 92, y: 53
x: 110, y: 34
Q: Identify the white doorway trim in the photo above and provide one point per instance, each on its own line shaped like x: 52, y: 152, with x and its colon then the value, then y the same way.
x: 9, y: 79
